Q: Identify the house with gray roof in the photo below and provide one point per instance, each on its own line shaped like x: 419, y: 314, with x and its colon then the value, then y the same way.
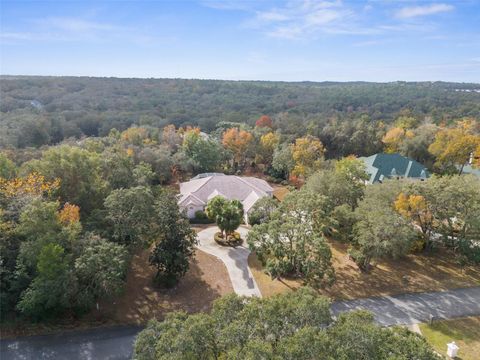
x: 195, y: 194
x: 393, y: 166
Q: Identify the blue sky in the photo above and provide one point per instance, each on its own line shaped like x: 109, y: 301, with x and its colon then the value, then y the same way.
x: 259, y: 40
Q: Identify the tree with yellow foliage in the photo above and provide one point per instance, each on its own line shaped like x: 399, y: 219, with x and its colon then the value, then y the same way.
x: 238, y: 142
x: 268, y: 143
x: 135, y: 135
x: 394, y: 138
x: 32, y: 184
x: 453, y: 146
x: 415, y: 208
x: 307, y: 153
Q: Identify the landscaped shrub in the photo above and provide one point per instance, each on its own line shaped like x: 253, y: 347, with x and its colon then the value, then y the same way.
x: 233, y: 239
x: 200, y: 215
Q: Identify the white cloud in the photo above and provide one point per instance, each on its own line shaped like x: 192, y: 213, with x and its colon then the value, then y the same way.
x: 415, y: 11
x: 298, y: 19
x: 68, y: 29
x: 75, y: 24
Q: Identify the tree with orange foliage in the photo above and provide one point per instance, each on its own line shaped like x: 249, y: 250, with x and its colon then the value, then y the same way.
x: 238, y: 142
x: 307, y: 153
x: 415, y: 208
x: 453, y: 147
x: 69, y: 214
x: 264, y: 121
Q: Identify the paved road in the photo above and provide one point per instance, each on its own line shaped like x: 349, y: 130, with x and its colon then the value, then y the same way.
x: 235, y: 259
x: 102, y: 343
x: 116, y: 343
x: 417, y: 307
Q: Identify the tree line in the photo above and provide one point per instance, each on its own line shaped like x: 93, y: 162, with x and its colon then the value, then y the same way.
x: 39, y: 111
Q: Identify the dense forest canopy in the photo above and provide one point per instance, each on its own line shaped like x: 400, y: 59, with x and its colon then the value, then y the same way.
x: 45, y: 110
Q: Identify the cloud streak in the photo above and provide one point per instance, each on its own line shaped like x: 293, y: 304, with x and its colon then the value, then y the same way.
x: 295, y: 20
x: 416, y: 11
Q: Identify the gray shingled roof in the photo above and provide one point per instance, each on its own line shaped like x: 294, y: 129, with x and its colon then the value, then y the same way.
x: 230, y: 186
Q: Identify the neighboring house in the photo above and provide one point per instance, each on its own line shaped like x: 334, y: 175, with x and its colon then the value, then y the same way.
x: 195, y: 194
x: 393, y: 166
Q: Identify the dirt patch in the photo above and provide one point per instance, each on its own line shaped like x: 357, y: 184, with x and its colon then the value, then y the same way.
x: 413, y: 273
x: 206, y: 280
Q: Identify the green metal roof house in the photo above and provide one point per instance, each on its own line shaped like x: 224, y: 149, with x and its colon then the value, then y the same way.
x: 393, y: 166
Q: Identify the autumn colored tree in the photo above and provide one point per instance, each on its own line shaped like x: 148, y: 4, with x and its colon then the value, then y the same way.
x: 32, y: 184
x: 264, y: 121
x: 268, y: 143
x: 69, y: 214
x: 307, y: 153
x: 135, y: 135
x: 394, y: 138
x: 453, y: 147
x: 415, y: 208
x: 238, y: 142
x: 80, y: 172
x: 406, y: 122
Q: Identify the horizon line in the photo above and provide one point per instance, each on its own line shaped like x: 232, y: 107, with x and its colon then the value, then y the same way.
x: 239, y: 80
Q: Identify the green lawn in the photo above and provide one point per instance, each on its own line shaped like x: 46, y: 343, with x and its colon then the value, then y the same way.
x: 465, y: 332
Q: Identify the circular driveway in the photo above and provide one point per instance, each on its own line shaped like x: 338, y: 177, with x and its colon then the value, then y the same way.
x: 235, y: 260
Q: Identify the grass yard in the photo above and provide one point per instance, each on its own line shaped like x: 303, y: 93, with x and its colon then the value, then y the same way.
x: 424, y: 272
x: 465, y: 332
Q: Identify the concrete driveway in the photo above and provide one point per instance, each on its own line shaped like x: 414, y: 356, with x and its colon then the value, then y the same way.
x: 235, y: 259
x: 414, y: 308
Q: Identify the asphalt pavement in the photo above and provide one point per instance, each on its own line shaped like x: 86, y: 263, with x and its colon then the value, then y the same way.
x: 117, y: 343
x: 113, y: 343
x: 414, y: 308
